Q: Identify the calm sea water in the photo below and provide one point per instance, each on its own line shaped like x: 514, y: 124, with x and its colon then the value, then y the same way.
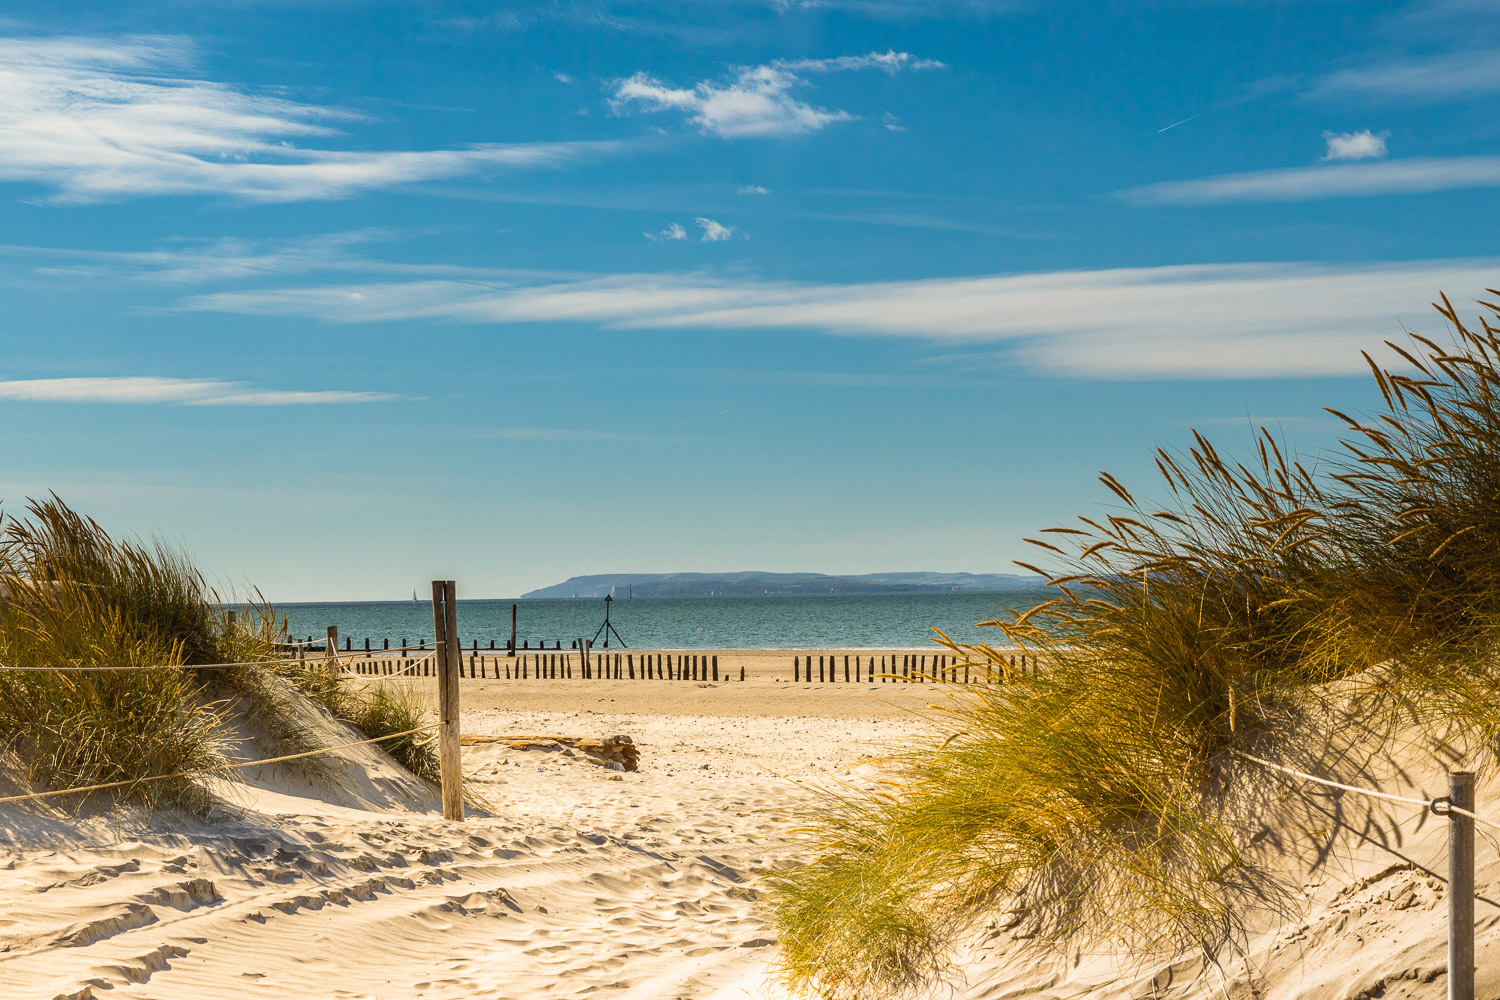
x: 821, y: 621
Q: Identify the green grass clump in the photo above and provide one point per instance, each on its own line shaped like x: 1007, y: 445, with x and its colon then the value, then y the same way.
x: 79, y: 598
x: 74, y: 596
x: 390, y: 707
x: 1267, y: 608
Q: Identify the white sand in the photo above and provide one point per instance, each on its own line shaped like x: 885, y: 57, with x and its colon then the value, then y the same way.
x: 586, y: 882
x: 592, y: 883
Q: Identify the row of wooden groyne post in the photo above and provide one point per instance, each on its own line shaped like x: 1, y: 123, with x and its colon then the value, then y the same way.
x: 498, y: 663
x: 905, y: 668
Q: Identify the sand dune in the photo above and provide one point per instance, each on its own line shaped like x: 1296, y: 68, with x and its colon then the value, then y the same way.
x: 584, y: 881
x: 581, y: 880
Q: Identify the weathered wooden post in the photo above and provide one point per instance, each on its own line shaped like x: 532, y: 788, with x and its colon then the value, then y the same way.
x: 796, y: 669
x: 716, y: 669
x: 1461, y: 887
x: 846, y: 668
x: 446, y: 642
x: 512, y: 646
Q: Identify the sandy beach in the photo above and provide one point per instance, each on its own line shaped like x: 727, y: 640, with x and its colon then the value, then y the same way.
x: 581, y: 881
x: 577, y: 879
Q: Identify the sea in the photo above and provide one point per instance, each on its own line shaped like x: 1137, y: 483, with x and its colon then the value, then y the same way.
x: 779, y: 621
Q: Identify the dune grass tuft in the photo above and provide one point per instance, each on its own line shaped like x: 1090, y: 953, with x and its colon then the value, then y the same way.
x: 1101, y: 801
x: 74, y: 596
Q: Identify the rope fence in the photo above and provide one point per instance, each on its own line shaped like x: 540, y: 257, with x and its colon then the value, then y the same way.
x: 209, y: 770
x: 1461, y: 819
x: 1441, y: 806
x: 336, y: 655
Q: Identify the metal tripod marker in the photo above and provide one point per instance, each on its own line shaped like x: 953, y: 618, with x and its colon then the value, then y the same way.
x: 607, y: 629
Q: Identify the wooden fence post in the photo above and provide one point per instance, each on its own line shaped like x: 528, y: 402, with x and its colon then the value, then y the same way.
x: 1461, y: 888
x: 446, y: 642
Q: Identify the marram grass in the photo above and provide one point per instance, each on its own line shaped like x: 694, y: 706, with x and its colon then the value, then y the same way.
x: 1303, y: 612
x: 75, y: 596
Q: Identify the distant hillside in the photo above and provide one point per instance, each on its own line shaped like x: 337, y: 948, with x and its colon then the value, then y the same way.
x: 707, y: 584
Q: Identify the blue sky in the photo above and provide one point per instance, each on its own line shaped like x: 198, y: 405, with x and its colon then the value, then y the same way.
x: 344, y: 296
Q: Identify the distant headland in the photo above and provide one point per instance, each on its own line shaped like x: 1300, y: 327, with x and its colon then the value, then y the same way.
x: 717, y: 584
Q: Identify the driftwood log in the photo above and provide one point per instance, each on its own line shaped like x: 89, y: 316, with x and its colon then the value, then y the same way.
x: 619, y: 750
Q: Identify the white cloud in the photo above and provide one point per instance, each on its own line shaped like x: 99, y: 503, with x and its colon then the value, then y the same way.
x: 889, y: 61
x: 181, y: 391
x: 757, y: 101
x: 100, y: 119
x: 892, y: 123
x: 754, y: 189
x: 714, y: 232
x: 1192, y: 321
x: 230, y: 258
x: 1364, y: 145
x: 568, y: 435
x: 1408, y: 176
x: 674, y: 231
x: 561, y: 77
x: 1429, y: 78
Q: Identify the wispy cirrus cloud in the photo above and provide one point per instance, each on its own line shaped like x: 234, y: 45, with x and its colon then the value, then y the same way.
x: 1447, y: 76
x: 1190, y: 321
x: 574, y: 435
x: 234, y: 259
x: 155, y: 389
x: 1337, y: 180
x: 890, y: 61
x: 97, y: 119
x: 755, y: 100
